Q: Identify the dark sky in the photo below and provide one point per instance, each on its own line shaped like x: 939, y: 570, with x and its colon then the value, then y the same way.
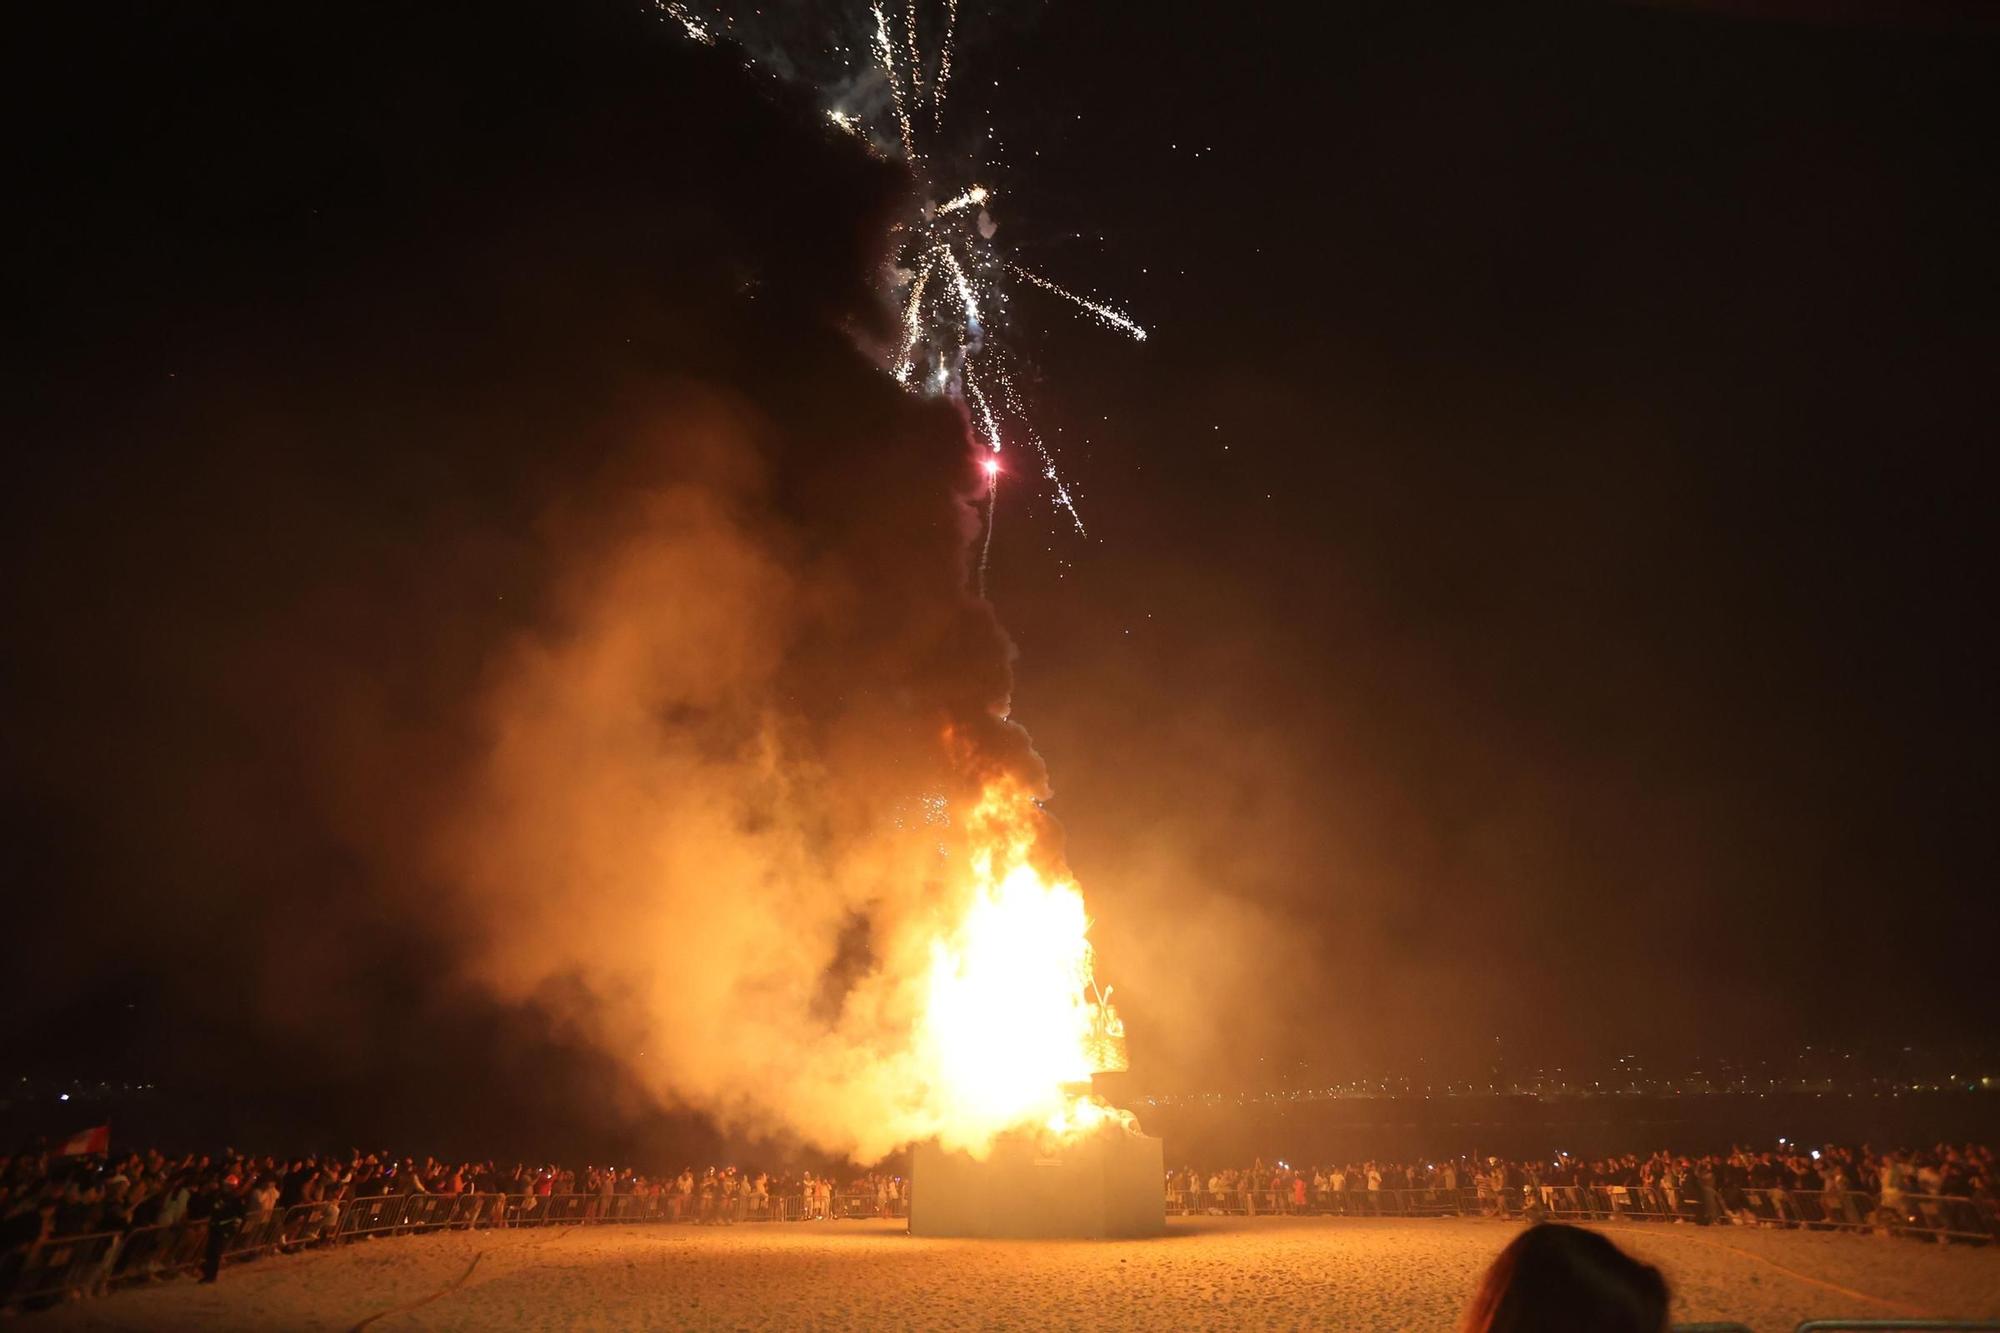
x: 1542, y: 550
x: 1535, y: 567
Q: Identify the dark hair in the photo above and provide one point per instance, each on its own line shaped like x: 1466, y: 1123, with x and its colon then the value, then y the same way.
x: 1560, y: 1279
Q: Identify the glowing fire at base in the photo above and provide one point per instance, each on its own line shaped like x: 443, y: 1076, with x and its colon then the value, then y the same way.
x: 1013, y: 1025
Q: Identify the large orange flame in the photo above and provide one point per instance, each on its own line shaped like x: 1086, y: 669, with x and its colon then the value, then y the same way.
x: 1013, y: 1026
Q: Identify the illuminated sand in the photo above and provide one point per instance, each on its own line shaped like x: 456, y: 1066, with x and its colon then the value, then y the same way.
x: 1206, y: 1272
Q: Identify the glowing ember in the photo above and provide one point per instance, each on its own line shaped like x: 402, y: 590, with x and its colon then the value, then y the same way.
x: 1013, y: 1027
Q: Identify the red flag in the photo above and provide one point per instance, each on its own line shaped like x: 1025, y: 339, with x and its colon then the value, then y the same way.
x: 90, y: 1143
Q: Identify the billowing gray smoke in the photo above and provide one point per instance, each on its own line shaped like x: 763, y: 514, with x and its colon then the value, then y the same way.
x: 715, y: 820
x: 481, y: 566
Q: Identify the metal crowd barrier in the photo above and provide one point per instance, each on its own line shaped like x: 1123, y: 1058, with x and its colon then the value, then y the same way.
x: 1323, y: 1203
x: 1938, y: 1217
x: 63, y: 1267
x: 66, y: 1266
x: 56, y: 1267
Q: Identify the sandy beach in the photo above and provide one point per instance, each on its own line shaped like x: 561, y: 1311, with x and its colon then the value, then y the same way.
x: 1206, y: 1272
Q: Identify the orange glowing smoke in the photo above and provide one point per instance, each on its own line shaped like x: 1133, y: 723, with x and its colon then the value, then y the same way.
x: 1013, y: 1026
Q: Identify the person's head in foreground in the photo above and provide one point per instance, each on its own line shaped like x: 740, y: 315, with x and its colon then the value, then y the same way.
x: 1558, y: 1279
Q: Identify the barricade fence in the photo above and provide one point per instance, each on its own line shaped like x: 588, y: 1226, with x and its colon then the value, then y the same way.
x: 64, y: 1267
x: 1935, y: 1216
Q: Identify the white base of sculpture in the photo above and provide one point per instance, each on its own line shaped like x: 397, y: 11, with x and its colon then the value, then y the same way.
x: 1110, y: 1184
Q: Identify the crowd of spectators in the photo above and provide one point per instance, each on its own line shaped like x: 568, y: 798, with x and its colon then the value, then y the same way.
x: 46, y: 1196
x: 1707, y: 1188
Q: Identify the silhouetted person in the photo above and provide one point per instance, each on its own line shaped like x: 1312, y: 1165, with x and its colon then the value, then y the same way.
x: 1560, y: 1279
x: 225, y: 1219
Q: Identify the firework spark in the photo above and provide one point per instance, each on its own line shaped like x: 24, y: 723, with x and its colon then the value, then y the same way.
x: 948, y: 325
x: 1111, y: 318
x: 983, y: 413
x: 694, y: 27
x: 966, y: 198
x: 885, y: 51
x: 913, y: 323
x: 968, y: 302
x: 1058, y: 489
x: 944, y: 62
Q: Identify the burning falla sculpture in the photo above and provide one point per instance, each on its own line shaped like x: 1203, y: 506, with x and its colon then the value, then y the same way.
x: 1087, y: 1172
x: 1014, y: 1029
x: 1100, y: 1179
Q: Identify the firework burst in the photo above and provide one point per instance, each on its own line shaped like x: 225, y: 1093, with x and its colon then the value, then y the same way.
x: 948, y: 278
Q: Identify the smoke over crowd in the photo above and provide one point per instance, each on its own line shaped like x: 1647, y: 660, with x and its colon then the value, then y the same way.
x: 524, y: 638
x: 489, y: 655
x: 714, y: 808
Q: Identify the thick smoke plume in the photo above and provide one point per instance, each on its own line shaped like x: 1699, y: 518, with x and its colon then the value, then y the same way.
x: 496, y: 641
x: 721, y: 811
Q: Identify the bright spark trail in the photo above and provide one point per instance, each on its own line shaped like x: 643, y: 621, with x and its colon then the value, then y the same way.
x: 944, y: 62
x: 1116, y: 319
x: 948, y: 278
x: 694, y: 27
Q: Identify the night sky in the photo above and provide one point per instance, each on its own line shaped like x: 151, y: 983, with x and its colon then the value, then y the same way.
x: 1534, y: 570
